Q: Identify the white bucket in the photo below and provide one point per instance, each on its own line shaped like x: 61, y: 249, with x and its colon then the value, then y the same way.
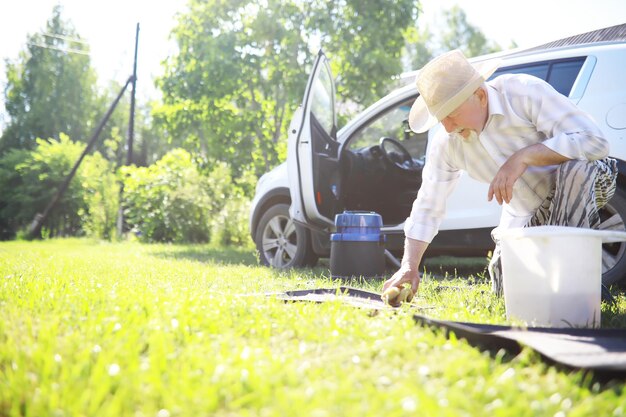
x: 552, y: 275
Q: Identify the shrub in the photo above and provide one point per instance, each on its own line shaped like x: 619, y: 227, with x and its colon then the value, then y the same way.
x: 38, y: 175
x: 168, y: 201
x: 30, y: 179
x: 174, y: 201
x: 230, y: 225
x: 11, y: 215
x: 101, y: 194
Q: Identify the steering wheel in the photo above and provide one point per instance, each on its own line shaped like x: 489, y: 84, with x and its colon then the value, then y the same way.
x: 396, y: 154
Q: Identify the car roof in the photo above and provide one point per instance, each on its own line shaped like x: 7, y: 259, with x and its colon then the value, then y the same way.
x: 597, y: 39
x: 612, y: 34
x: 606, y: 36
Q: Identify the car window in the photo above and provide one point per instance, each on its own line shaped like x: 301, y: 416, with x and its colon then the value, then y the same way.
x: 538, y: 70
x: 563, y: 74
x: 322, y: 105
x: 393, y: 123
x: 560, y: 74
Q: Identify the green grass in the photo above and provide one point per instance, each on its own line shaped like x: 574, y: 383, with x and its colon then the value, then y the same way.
x: 100, y: 329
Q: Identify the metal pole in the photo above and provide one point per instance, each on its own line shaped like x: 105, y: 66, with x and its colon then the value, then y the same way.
x: 131, y: 136
x: 35, y: 227
x: 131, y: 123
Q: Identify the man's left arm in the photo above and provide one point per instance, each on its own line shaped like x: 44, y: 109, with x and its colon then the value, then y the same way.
x: 568, y: 130
x: 534, y: 155
x: 570, y: 134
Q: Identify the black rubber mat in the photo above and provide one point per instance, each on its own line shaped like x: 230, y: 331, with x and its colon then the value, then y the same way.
x: 601, y: 350
x: 347, y: 295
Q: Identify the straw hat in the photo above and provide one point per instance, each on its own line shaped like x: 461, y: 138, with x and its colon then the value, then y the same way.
x: 444, y: 84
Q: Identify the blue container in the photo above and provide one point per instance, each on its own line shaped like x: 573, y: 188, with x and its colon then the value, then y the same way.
x: 358, y: 247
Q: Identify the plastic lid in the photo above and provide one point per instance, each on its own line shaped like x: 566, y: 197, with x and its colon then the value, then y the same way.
x: 358, y: 219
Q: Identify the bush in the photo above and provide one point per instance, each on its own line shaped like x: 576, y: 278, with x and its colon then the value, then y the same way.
x: 101, y: 194
x: 172, y: 201
x: 42, y: 174
x: 11, y: 214
x: 230, y: 226
x: 168, y: 201
x: 30, y: 179
x: 36, y: 178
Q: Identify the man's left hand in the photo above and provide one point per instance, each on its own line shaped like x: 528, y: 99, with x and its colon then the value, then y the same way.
x: 502, y: 185
x: 536, y: 155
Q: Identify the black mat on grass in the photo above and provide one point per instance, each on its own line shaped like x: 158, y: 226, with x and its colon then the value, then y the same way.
x: 601, y: 350
x: 347, y: 295
x: 598, y: 350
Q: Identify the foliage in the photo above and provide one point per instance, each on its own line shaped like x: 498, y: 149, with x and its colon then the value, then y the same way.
x: 149, y: 143
x: 151, y: 140
x: 365, y: 40
x: 167, y: 201
x: 419, y: 47
x: 241, y: 68
x: 10, y: 183
x: 423, y: 44
x: 172, y: 201
x: 460, y: 34
x: 51, y: 88
x: 93, y: 329
x: 112, y: 140
x: 230, y: 225
x: 101, y: 193
x: 40, y: 175
x: 228, y: 96
x: 30, y: 179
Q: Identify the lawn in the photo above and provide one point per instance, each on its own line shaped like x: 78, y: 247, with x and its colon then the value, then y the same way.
x: 125, y: 329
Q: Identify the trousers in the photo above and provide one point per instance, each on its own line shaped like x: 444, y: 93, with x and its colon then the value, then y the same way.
x: 581, y: 189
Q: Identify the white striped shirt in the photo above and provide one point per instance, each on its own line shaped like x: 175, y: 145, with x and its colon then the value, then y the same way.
x: 523, y: 110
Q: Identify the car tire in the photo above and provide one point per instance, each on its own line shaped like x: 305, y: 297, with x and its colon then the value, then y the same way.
x: 280, y: 242
x: 613, y: 217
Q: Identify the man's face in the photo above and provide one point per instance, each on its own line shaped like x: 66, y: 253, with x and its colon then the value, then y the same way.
x: 468, y: 117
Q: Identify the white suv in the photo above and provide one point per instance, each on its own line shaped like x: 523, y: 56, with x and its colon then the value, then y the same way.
x: 374, y: 163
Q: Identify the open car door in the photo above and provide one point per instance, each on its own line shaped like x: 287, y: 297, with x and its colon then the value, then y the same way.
x: 313, y: 152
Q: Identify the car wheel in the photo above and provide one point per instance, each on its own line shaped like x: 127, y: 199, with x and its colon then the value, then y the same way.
x: 281, y: 242
x: 612, y: 217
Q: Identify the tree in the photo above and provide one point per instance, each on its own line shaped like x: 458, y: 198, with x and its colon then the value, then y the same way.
x: 242, y: 66
x: 51, y: 88
x: 422, y: 44
x: 464, y: 36
x: 418, y: 48
x: 365, y: 40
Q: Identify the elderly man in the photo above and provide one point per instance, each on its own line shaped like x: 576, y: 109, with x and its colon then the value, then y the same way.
x: 545, y: 159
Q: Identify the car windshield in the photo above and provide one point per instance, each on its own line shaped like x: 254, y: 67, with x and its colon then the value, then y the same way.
x: 393, y: 123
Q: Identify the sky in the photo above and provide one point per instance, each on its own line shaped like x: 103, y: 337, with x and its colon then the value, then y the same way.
x: 109, y: 28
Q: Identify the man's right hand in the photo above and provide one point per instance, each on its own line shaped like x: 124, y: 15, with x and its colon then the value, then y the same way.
x: 404, y: 274
x: 409, y: 267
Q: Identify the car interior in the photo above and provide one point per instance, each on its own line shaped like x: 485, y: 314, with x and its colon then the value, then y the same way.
x: 381, y: 164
